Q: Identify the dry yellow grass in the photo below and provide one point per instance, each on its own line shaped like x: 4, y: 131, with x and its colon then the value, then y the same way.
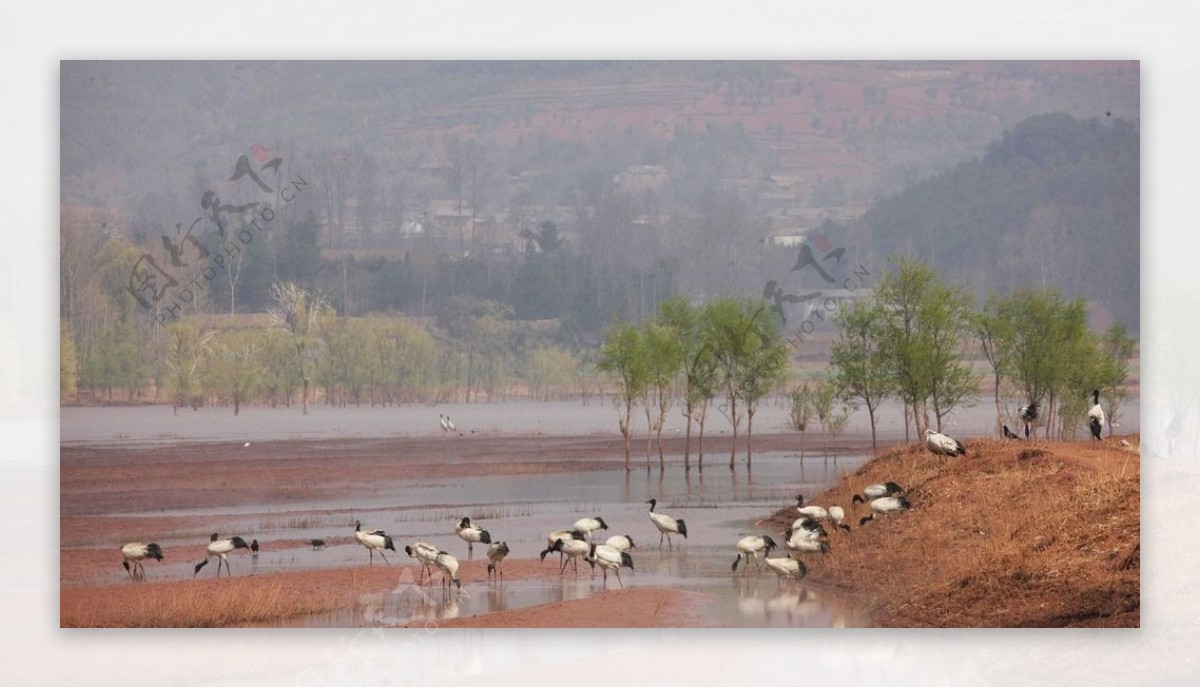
x: 205, y: 603
x: 1013, y: 534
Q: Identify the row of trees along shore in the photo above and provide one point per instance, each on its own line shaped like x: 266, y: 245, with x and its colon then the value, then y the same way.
x: 912, y: 339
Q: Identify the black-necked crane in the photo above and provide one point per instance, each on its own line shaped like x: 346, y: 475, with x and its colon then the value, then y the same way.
x: 812, y: 511
x: 787, y: 567
x: 135, y: 553
x: 219, y: 548
x: 1096, y: 415
x: 888, y: 489
x: 589, y: 524
x: 495, y: 554
x: 374, y: 540
x: 749, y: 548
x: 1010, y: 435
x: 804, y: 540
x: 885, y: 506
x: 1029, y: 415
x: 471, y: 534
x: 621, y: 542
x: 810, y: 525
x: 449, y: 566
x: 572, y: 549
x: 836, y: 515
x: 943, y: 445
x: 561, y: 535
x: 666, y: 525
x: 425, y: 554
x: 610, y: 559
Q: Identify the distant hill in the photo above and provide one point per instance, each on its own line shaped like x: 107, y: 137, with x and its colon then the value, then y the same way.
x: 1054, y: 202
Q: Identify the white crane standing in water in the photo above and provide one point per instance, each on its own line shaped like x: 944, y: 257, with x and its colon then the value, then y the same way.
x: 666, y: 525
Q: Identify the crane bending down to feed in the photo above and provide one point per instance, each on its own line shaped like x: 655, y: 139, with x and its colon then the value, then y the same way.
x: 134, y: 553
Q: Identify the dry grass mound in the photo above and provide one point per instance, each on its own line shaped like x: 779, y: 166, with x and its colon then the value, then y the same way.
x: 1011, y: 535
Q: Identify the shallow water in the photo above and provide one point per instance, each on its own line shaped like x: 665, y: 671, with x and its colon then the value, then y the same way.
x: 718, y: 505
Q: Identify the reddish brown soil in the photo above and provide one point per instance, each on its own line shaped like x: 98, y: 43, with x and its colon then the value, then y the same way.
x: 1011, y: 535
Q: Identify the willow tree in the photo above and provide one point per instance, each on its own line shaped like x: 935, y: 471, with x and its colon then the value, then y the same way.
x: 301, y: 315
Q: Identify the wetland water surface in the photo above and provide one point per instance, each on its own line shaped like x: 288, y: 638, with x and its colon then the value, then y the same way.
x: 719, y: 505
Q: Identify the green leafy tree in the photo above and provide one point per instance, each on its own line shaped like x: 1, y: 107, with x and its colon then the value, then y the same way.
x: 993, y: 330
x: 859, y: 357
x: 1116, y: 349
x: 698, y: 365
x: 927, y: 325
x: 185, y: 352
x: 744, y: 340
x: 623, y: 357
x: 68, y: 360
x: 663, y: 360
x: 765, y: 366
x: 238, y: 368
x: 803, y: 410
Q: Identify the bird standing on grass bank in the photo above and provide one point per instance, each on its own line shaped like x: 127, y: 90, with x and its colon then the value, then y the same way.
x: 219, y: 548
x: 836, y: 515
x: 134, y: 553
x: 805, y: 540
x: 374, y: 540
x: 1096, y: 415
x: 885, y: 506
x: 472, y: 534
x: 1029, y: 415
x: 495, y: 554
x: 944, y: 445
x: 749, y: 547
x: 816, y: 512
x: 609, y: 559
x: 888, y: 489
x: 666, y: 525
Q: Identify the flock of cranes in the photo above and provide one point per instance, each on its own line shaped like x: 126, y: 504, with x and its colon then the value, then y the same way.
x: 806, y: 535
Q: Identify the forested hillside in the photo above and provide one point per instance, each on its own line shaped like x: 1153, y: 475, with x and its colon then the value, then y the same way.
x: 1054, y: 203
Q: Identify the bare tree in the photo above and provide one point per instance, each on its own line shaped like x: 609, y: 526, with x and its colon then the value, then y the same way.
x: 300, y: 314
